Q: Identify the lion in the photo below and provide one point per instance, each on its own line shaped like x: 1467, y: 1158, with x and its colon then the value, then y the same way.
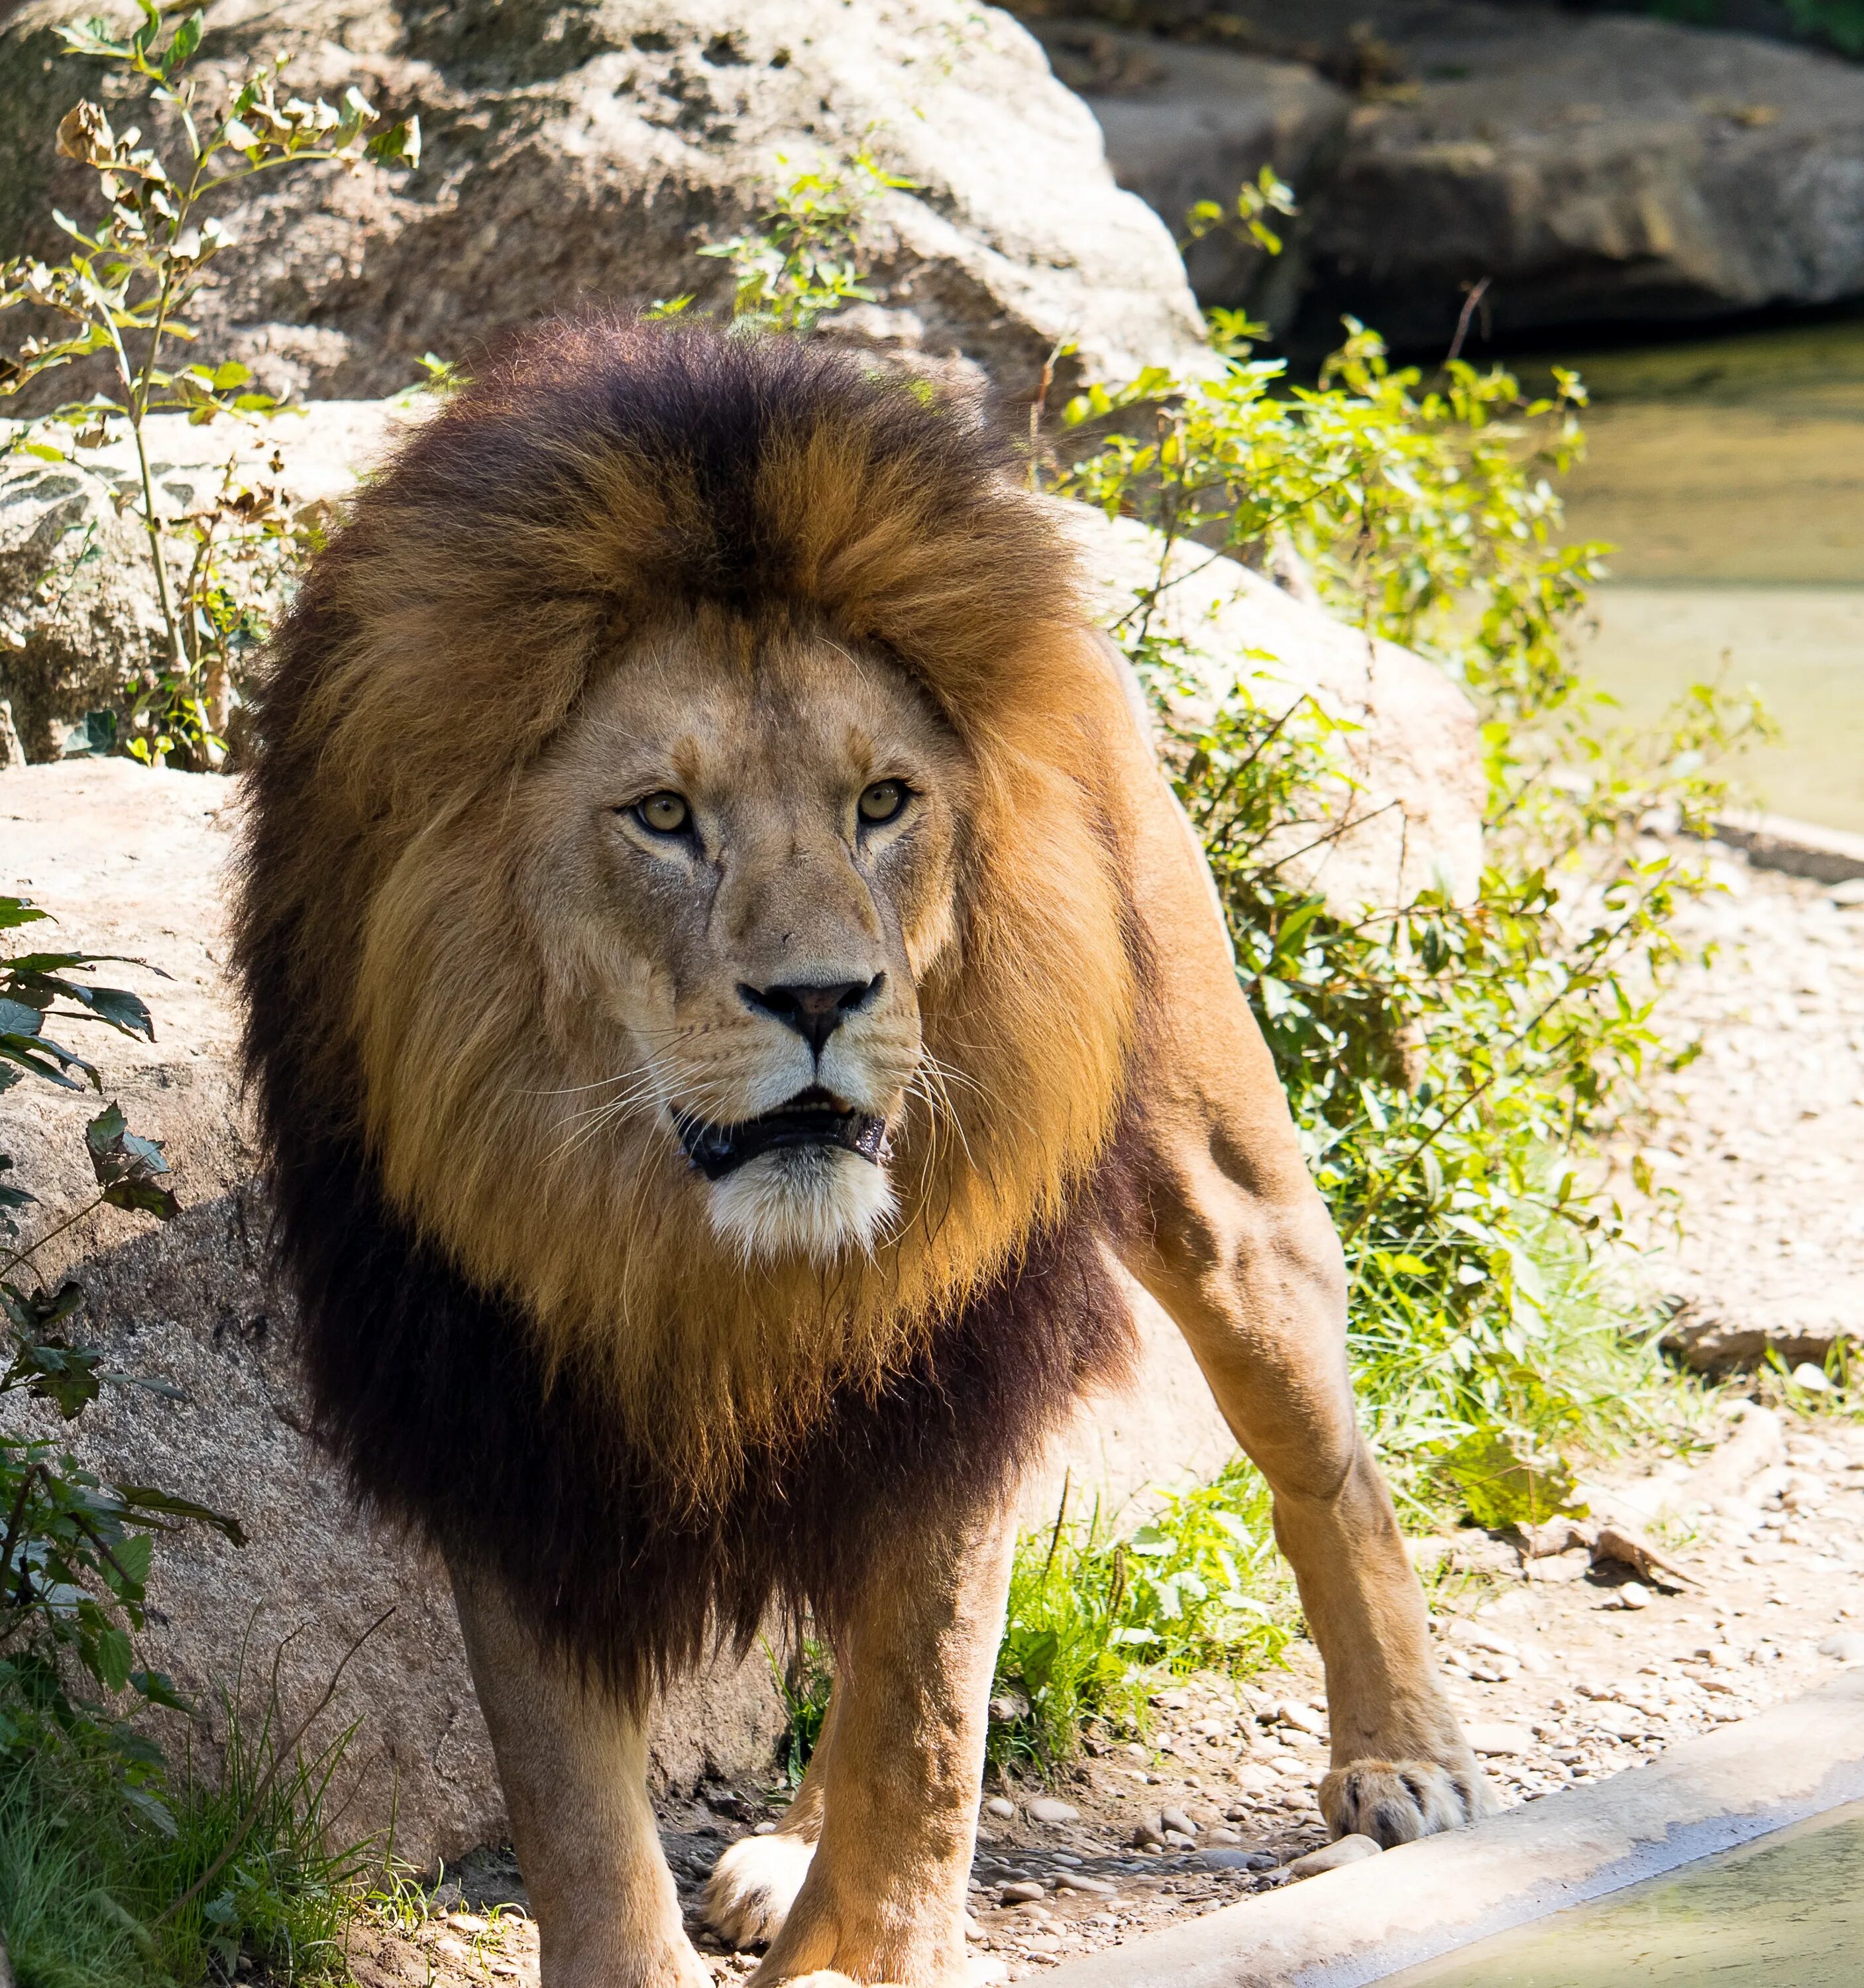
x: 728, y: 988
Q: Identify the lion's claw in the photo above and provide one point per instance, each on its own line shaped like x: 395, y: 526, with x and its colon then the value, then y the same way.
x: 1398, y: 1801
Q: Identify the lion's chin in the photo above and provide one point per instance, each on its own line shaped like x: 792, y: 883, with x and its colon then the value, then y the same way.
x: 811, y: 1201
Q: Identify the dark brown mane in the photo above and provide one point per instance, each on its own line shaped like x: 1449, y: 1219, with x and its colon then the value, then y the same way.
x: 597, y: 474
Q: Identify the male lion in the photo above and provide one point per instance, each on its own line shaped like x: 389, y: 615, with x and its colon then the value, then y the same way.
x: 727, y: 985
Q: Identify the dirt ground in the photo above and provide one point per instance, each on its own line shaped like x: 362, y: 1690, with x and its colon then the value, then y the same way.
x: 1564, y: 1672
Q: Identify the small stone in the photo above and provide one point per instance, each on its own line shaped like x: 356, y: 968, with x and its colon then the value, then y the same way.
x: 1022, y: 1890
x: 765, y: 1829
x: 454, y: 1949
x: 1046, y: 1808
x: 1346, y: 1850
x: 1847, y: 1646
x: 1222, y: 1838
x: 1632, y: 1594
x: 1812, y: 1378
x: 465, y: 1922
x: 1303, y: 1717
x: 1004, y: 1811
x: 1150, y: 1832
x: 1078, y: 1880
x: 1225, y: 1857
x: 1499, y: 1741
x: 1176, y: 1818
x: 1175, y: 1839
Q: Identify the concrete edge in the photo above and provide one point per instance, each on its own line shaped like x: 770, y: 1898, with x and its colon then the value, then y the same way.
x: 1799, y: 848
x: 1369, y: 1920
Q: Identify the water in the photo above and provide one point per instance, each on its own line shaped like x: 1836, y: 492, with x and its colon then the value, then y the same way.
x: 1730, y: 475
x: 1787, y: 1912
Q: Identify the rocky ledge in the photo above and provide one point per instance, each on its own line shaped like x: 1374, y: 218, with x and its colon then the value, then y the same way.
x: 1590, y: 168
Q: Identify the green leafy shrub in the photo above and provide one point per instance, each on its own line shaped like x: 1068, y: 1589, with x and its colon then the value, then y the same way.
x: 1450, y: 1062
x: 122, y: 296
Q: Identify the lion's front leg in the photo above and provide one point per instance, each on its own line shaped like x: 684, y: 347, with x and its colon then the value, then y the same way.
x: 574, y: 1764
x: 884, y: 1898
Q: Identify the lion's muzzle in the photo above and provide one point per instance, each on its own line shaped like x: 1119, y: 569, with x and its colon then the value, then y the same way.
x: 810, y: 1118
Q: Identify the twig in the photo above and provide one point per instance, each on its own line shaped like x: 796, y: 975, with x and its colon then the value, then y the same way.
x: 1470, y: 303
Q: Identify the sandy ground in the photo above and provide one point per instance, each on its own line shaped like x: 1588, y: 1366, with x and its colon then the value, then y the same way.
x: 1563, y: 1671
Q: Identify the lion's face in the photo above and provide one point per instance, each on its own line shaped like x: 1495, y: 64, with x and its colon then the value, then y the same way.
x: 740, y: 867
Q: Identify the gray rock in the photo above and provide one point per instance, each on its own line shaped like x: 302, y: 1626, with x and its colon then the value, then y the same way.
x: 129, y: 861
x: 1022, y: 1890
x: 1004, y: 1811
x: 1224, y: 1857
x: 1494, y: 1740
x: 1185, y: 124
x: 1592, y: 168
x: 1414, y: 754
x: 1176, y: 1818
x: 1090, y: 1887
x: 79, y: 617
x: 1047, y: 1808
x: 1344, y: 1850
x: 575, y: 150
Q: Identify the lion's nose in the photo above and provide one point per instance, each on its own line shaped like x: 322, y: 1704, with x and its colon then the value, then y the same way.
x: 815, y: 1011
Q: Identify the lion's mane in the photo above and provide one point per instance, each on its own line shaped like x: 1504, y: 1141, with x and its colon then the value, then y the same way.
x: 644, y: 1445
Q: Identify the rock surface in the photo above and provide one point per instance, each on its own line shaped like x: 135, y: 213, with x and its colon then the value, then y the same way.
x: 1413, y: 754
x: 1185, y: 124
x: 79, y: 615
x: 1593, y: 167
x: 1598, y: 169
x: 577, y: 150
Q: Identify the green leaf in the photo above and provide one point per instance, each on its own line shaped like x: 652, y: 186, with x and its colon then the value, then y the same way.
x: 1504, y: 1484
x: 128, y: 1166
x: 399, y: 145
x: 112, y: 1659
x: 187, y: 39
x: 14, y: 912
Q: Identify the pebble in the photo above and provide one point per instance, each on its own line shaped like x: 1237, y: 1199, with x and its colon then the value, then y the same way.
x: 1632, y: 1594
x: 1078, y: 1880
x: 1046, y: 1808
x: 465, y: 1922
x: 1176, y: 1818
x: 1499, y: 1740
x: 1224, y: 1858
x: 1004, y: 1811
x: 1303, y: 1717
x: 1022, y: 1890
x: 1847, y: 1646
x: 1346, y: 1850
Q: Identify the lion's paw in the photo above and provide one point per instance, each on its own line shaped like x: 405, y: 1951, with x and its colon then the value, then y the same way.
x: 753, y: 1885
x: 1398, y: 1801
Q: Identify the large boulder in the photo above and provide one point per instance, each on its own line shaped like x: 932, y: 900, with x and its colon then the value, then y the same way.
x: 79, y: 614
x: 1403, y: 811
x: 1186, y: 124
x: 1594, y: 168
x: 578, y: 151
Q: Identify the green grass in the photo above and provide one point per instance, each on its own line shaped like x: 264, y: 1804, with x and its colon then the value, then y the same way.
x: 106, y: 1883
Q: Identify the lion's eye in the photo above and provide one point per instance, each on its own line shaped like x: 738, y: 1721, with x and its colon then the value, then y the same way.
x: 882, y: 801
x: 665, y: 813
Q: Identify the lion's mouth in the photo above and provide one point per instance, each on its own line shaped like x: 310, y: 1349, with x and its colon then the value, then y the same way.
x: 810, y: 1118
